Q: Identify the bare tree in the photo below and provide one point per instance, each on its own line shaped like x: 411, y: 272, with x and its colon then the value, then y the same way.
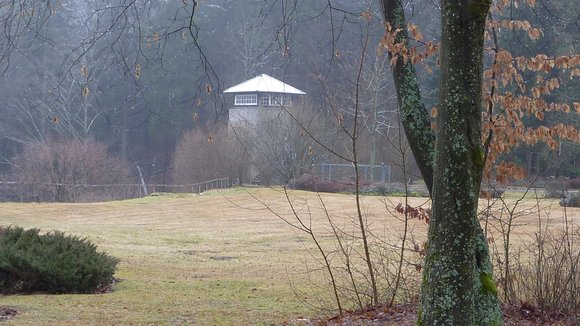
x: 252, y: 45
x: 202, y: 156
x: 58, y: 170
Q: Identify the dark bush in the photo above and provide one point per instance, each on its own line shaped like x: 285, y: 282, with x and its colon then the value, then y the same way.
x: 51, y: 262
x: 395, y: 189
x: 572, y: 199
x: 490, y: 191
x: 381, y: 189
x: 556, y: 188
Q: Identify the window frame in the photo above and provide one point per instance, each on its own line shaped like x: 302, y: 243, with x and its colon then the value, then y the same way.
x: 246, y: 99
x: 265, y: 97
x: 280, y: 100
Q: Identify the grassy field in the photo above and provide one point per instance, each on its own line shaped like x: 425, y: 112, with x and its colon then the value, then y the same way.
x: 220, y: 258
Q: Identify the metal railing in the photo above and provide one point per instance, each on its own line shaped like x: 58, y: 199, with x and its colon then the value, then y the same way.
x: 379, y: 173
x: 62, y: 192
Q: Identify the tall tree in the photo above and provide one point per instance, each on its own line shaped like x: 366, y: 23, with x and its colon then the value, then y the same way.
x: 458, y: 287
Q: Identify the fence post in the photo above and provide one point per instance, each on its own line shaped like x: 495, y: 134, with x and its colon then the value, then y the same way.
x: 383, y: 173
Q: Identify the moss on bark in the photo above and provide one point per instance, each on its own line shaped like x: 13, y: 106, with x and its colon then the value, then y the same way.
x: 414, y: 115
x: 487, y: 283
x: 458, y: 286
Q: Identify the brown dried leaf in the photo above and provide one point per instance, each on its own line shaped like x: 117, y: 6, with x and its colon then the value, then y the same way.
x: 84, y: 71
x: 366, y: 15
x: 434, y: 112
x: 414, y: 29
x: 137, y: 71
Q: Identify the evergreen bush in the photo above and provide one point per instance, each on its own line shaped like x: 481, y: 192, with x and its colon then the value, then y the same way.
x: 52, y: 262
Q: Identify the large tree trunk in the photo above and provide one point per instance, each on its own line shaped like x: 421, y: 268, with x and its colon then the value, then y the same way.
x: 458, y: 286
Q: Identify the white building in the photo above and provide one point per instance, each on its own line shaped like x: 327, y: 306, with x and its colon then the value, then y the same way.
x: 259, y: 97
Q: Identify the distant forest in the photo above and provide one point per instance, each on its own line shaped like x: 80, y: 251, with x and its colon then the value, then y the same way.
x: 137, y: 77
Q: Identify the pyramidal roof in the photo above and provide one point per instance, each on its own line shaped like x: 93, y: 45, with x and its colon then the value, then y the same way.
x: 264, y: 83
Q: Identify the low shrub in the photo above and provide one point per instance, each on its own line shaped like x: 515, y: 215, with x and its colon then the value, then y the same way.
x: 52, y: 262
x: 572, y: 199
x: 320, y: 184
x: 547, y: 274
x: 395, y: 189
x: 489, y: 191
x: 556, y: 188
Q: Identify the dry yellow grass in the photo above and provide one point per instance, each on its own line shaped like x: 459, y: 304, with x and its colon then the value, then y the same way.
x: 220, y: 258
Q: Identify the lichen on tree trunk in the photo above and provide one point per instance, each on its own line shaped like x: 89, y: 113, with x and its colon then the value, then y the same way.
x: 414, y: 116
x: 458, y: 286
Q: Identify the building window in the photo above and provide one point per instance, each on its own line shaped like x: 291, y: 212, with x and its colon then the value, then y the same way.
x: 286, y: 100
x: 246, y: 99
x: 280, y: 100
x: 265, y: 100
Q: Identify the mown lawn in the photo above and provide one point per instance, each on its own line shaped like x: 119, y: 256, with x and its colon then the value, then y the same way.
x: 220, y: 258
x: 184, y: 260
